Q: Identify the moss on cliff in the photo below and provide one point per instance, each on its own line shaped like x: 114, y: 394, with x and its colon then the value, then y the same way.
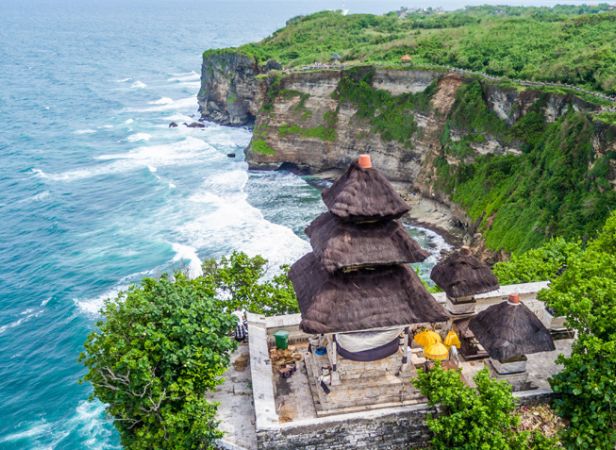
x: 391, y: 116
x: 261, y: 147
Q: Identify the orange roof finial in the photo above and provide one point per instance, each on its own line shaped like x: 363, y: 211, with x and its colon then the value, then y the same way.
x: 514, y: 298
x: 364, y: 161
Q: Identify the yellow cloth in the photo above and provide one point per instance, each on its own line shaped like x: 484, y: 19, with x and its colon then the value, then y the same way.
x: 436, y: 352
x: 427, y: 338
x: 452, y: 339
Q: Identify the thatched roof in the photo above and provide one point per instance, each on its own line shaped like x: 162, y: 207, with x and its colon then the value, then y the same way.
x: 339, y: 244
x: 507, y: 330
x: 462, y: 275
x: 360, y: 300
x: 364, y: 195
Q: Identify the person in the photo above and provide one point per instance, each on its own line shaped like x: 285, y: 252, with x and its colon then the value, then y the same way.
x: 241, y: 329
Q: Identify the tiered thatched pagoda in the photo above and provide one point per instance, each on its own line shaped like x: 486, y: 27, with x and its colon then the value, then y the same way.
x: 354, y: 288
x: 462, y: 276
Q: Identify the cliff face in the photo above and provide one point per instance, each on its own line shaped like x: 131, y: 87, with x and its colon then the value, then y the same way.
x: 426, y: 128
x: 230, y: 93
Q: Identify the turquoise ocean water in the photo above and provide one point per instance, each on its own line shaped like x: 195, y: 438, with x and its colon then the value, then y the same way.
x: 97, y: 192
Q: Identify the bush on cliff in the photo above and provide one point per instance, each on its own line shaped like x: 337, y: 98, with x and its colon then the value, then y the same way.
x: 583, y: 289
x: 472, y: 419
x: 585, y: 294
x: 241, y: 281
x: 164, y: 344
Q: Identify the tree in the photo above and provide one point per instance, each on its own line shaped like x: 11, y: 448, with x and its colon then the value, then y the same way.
x: 586, y: 295
x: 539, y: 264
x: 474, y: 419
x: 243, y: 282
x: 162, y: 346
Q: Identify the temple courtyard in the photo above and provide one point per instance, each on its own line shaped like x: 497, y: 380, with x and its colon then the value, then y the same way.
x: 259, y: 408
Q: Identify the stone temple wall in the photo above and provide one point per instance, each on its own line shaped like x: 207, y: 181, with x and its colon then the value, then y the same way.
x: 386, y: 429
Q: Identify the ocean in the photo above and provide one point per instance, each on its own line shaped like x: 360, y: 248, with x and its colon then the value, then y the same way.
x: 97, y: 192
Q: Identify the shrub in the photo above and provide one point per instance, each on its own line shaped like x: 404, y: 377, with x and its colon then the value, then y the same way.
x: 586, y: 295
x: 162, y: 346
x: 474, y: 419
x: 540, y: 264
x: 241, y: 282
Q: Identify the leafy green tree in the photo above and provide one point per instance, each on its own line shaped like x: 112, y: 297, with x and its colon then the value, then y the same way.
x: 472, y: 419
x: 540, y: 264
x: 242, y: 282
x: 586, y: 294
x: 162, y: 346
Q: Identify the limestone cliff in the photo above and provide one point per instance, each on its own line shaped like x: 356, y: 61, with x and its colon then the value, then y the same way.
x: 425, y: 128
x: 230, y: 93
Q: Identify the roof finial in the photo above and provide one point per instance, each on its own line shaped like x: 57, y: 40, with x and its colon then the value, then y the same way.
x: 364, y: 161
x: 514, y: 299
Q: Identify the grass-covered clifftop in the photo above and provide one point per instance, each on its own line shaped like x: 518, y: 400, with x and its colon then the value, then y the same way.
x: 526, y: 163
x: 567, y: 44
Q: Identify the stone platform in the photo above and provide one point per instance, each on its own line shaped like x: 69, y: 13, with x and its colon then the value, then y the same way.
x: 259, y: 409
x: 361, y: 385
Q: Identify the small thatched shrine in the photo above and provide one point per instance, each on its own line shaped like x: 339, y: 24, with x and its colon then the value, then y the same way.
x: 508, y: 331
x: 462, y: 276
x: 355, y: 293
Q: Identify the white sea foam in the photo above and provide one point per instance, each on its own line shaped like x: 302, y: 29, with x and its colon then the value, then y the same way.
x: 174, y: 105
x: 85, y: 131
x: 36, y: 197
x: 161, y: 101
x: 38, y: 429
x: 178, y: 118
x: 123, y: 80
x: 92, y: 306
x: 88, y: 420
x: 187, y: 152
x: 138, y: 85
x: 229, y: 220
x: 25, y: 316
x: 128, y: 121
x: 191, y: 84
x: 188, y: 253
x: 139, y: 137
x: 152, y: 169
x: 188, y: 76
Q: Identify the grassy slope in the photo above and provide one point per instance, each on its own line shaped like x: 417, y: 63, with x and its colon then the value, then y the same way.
x: 559, y: 44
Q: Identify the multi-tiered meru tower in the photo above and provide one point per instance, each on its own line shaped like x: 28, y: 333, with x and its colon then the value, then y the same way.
x: 358, y: 296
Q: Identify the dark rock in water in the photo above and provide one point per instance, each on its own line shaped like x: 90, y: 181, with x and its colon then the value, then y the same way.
x: 173, y: 125
x: 231, y: 155
x: 272, y: 64
x: 194, y: 125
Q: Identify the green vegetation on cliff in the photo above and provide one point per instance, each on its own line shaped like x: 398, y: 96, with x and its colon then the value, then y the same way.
x: 567, y: 44
x: 583, y: 289
x: 558, y: 186
x: 389, y: 115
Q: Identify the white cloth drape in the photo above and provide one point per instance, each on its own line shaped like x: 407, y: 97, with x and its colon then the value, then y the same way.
x: 359, y: 342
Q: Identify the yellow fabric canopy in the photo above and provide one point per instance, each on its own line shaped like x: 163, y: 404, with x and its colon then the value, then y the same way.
x: 427, y: 337
x: 436, y: 351
x: 452, y: 339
